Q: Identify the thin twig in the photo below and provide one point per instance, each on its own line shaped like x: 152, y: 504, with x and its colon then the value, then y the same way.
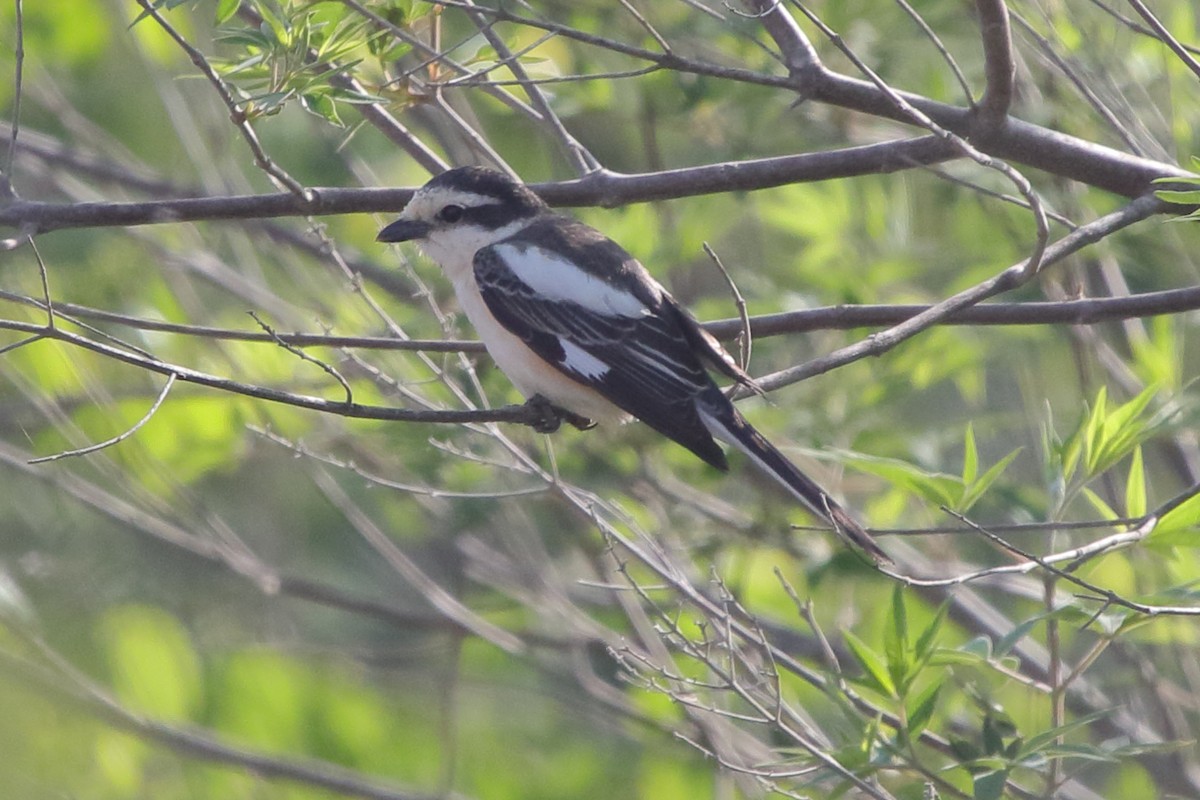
x: 1063, y: 312
x: 445, y: 603
x: 650, y: 29
x: 83, y: 451
x: 918, y: 117
x: 579, y: 155
x: 474, y: 79
x: 1166, y: 37
x: 17, y: 345
x: 44, y: 275
x: 1084, y: 87
x: 378, y: 480
x: 1136, y: 27
x: 441, y: 58
x: 303, y: 356
x: 1008, y: 279
x: 940, y: 46
x: 7, y: 187
x: 1020, y: 202
x: 745, y: 339
x: 236, y: 114
x: 520, y: 413
x: 1098, y: 593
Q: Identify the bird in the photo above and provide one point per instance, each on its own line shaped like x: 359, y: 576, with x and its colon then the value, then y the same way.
x: 583, y: 330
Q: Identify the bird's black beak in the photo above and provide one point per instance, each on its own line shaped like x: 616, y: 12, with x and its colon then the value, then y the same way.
x: 404, y: 230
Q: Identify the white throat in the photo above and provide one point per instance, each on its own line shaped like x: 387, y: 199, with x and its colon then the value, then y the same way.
x: 454, y: 248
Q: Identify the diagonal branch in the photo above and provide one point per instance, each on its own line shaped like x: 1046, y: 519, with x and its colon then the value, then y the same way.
x: 1007, y: 280
x: 1166, y: 37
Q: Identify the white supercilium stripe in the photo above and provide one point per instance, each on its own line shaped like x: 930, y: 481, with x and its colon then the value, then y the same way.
x: 556, y: 278
x: 581, y: 362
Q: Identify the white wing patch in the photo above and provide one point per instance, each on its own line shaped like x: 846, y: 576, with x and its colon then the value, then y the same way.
x: 556, y: 278
x: 581, y: 362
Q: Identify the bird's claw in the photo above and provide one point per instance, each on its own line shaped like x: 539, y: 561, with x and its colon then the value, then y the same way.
x: 550, y: 417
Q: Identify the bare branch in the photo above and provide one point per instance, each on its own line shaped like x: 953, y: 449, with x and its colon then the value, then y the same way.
x: 7, y: 188
x: 1166, y: 37
x: 918, y: 117
x: 236, y: 114
x: 943, y: 51
x: 445, y: 603
x: 598, y: 188
x: 583, y: 160
x: 116, y: 439
x: 799, y: 56
x: 355, y: 410
x: 329, y: 370
x: 1081, y: 85
x: 998, y: 61
x: 1005, y: 281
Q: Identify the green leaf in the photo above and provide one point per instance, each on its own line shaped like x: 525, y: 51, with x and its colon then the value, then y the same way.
x: 1178, y: 526
x: 1071, y: 451
x: 1103, y: 508
x: 1188, y: 198
x: 1044, y: 739
x: 990, y: 785
x: 873, y: 663
x: 1135, y: 486
x: 1084, y: 751
x: 896, y: 641
x: 1136, y: 750
x: 934, y: 487
x: 248, y: 38
x: 927, y: 641
x: 980, y: 646
x: 322, y: 105
x: 947, y: 657
x: 226, y: 9
x: 970, y: 457
x: 976, y: 490
x: 1009, y: 640
x: 1006, y: 643
x: 1093, y: 431
x: 923, y: 705
x: 1122, y: 429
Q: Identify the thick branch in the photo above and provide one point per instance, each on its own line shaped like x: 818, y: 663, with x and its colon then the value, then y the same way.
x: 598, y: 188
x: 1053, y: 152
x: 998, y: 61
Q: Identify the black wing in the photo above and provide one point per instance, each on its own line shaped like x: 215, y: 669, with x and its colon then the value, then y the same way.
x: 645, y: 364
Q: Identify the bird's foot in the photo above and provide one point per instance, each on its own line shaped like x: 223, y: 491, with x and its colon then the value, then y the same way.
x: 579, y: 421
x: 550, y: 417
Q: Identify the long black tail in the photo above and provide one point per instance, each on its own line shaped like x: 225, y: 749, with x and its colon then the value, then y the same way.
x: 727, y: 424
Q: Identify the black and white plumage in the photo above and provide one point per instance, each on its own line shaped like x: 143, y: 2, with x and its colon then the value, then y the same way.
x: 570, y: 316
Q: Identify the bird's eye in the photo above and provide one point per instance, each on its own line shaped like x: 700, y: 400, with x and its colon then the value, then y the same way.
x: 451, y: 213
